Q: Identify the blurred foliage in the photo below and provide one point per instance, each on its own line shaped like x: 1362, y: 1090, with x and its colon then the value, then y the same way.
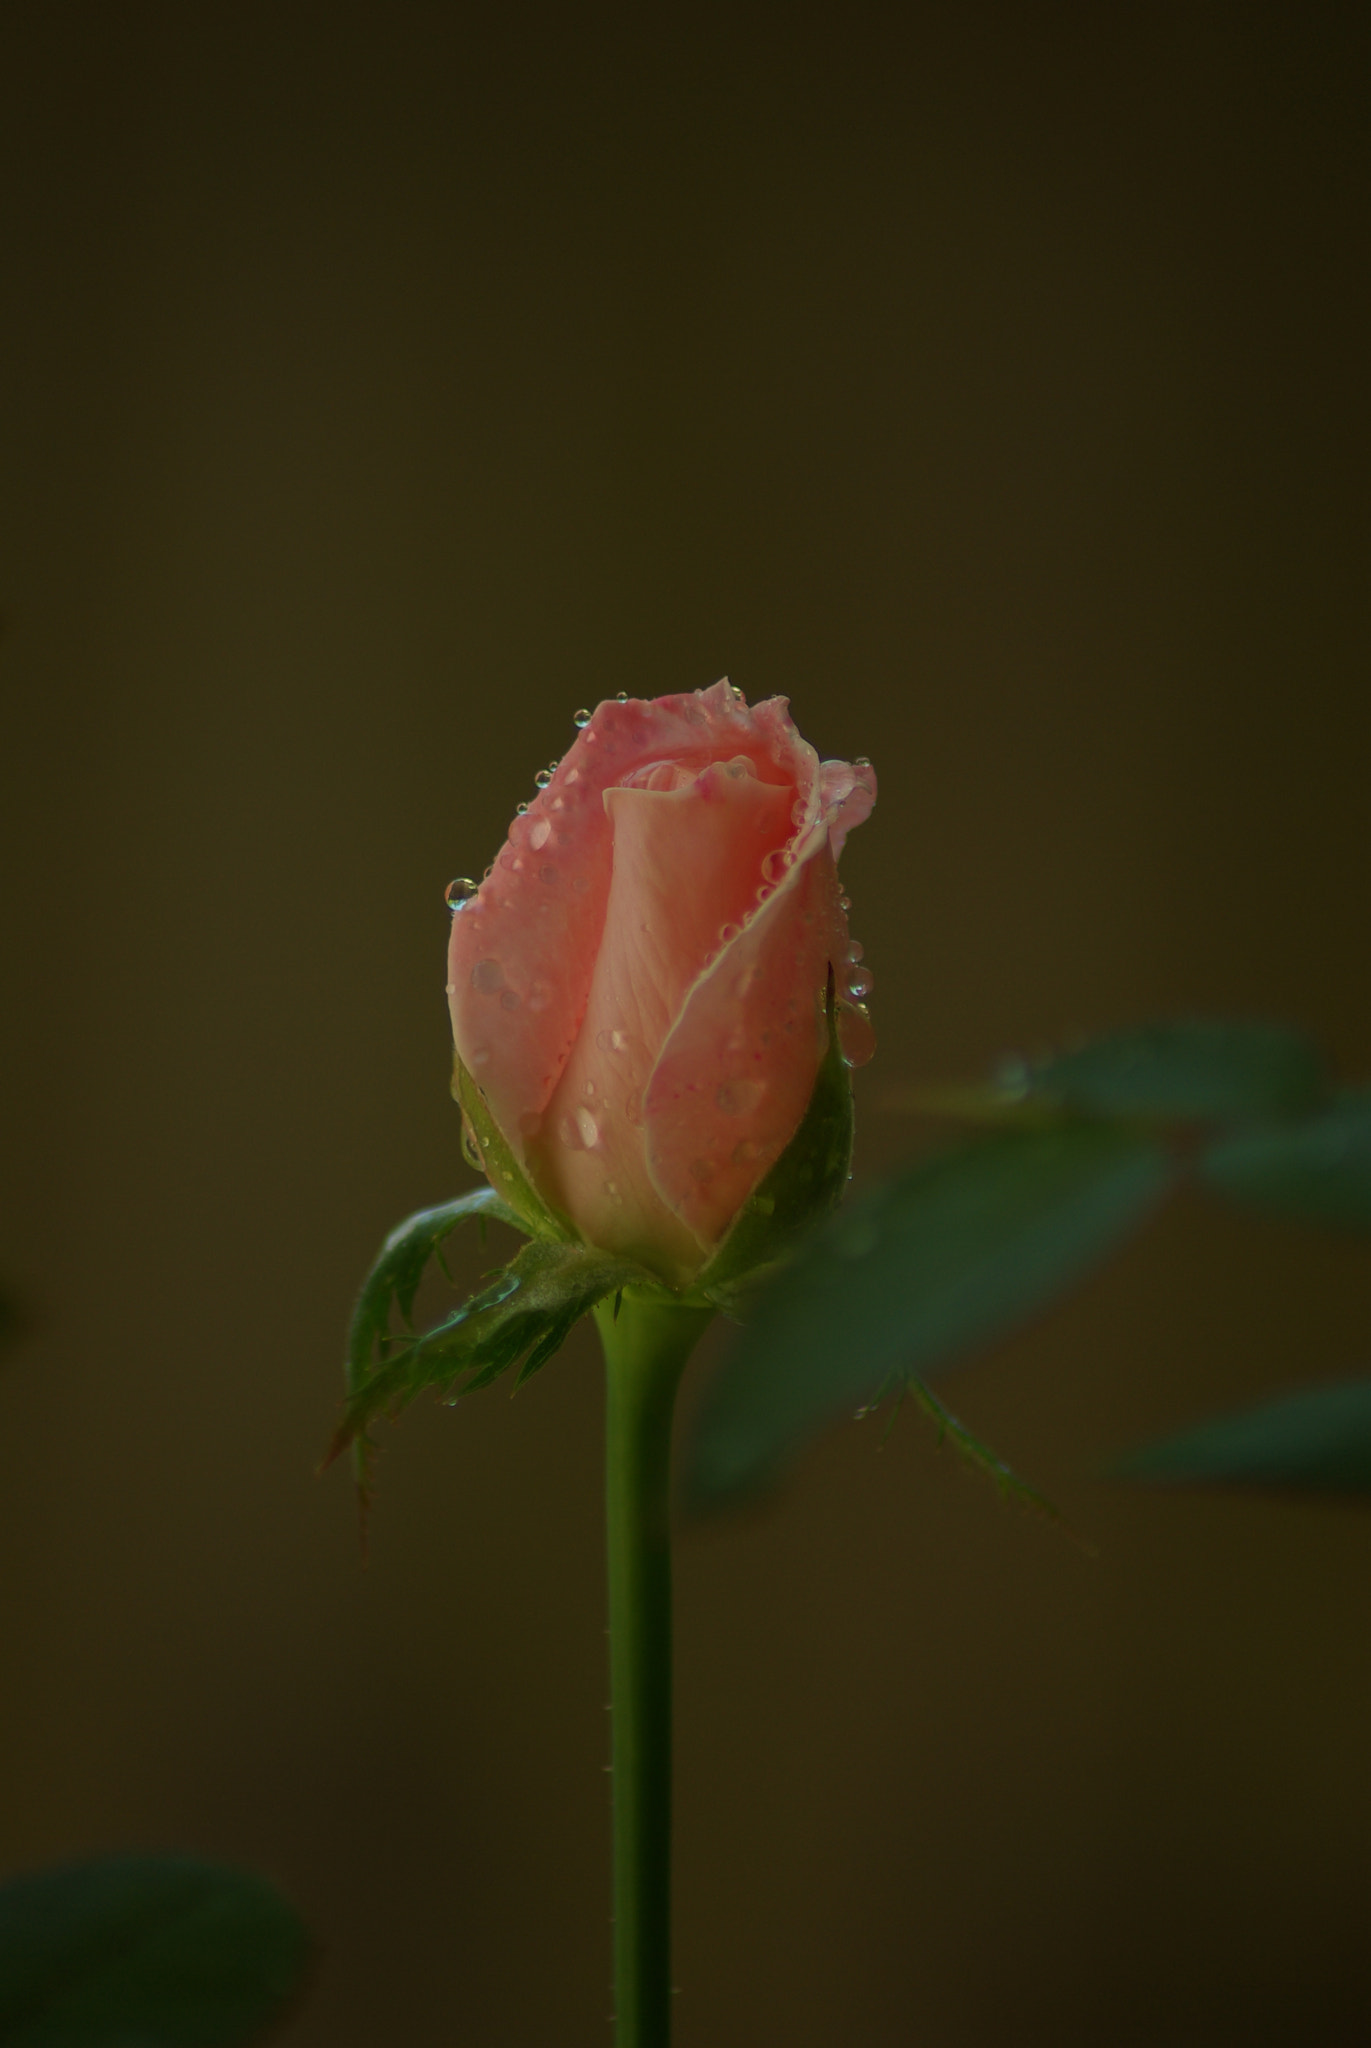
x: 144, y: 1952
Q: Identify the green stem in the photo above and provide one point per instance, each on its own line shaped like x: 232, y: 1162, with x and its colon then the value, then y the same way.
x: 645, y: 1353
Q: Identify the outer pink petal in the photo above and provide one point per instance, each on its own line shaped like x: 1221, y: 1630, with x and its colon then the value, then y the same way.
x: 737, y: 1072
x: 523, y: 950
x: 687, y: 868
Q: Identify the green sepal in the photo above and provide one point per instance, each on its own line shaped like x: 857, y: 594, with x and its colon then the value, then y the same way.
x: 394, y: 1278
x: 519, y: 1319
x: 1317, y: 1441
x: 155, y: 1950
x: 1317, y: 1170
x: 499, y: 1164
x: 806, y: 1182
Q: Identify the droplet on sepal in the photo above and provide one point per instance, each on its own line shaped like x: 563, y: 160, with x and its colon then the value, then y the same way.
x: 470, y: 1152
x: 460, y: 891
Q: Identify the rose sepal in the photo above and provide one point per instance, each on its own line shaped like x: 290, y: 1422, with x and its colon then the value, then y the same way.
x: 491, y: 1154
x: 804, y: 1185
x: 518, y: 1319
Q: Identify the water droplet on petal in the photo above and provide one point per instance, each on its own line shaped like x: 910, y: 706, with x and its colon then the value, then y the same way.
x: 480, y: 1056
x: 861, y: 982
x: 612, y: 1190
x: 509, y: 1001
x: 543, y: 777
x: 460, y: 891
x: 728, y: 933
x: 588, y: 1128
x: 855, y: 950
x: 540, y: 834
x: 487, y: 977
x: 580, y: 717
x: 856, y: 1037
x: 778, y: 864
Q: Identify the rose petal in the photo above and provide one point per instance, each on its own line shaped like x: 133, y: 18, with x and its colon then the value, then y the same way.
x: 737, y: 1071
x: 523, y: 949
x: 687, y: 867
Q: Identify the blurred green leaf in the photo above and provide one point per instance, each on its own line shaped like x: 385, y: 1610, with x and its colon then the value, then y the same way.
x: 806, y: 1182
x: 1317, y: 1170
x: 144, y: 1952
x: 1315, y: 1441
x: 941, y: 1259
x: 520, y: 1318
x: 1199, y: 1068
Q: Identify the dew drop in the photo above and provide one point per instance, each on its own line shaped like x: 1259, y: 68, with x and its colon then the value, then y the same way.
x: 543, y: 777
x: 520, y: 809
x: 765, y: 892
x: 844, y: 903
x: 735, y: 693
x: 621, y: 696
x: 799, y: 811
x: 856, y: 1037
x: 460, y: 891
x: 451, y: 989
x: 588, y: 1128
x: 480, y: 1056
x: 487, y: 977
x: 778, y: 864
x: 589, y: 1091
x: 489, y: 872
x: 862, y: 761
x: 581, y: 717
x: 574, y: 774
x: 728, y: 933
x: 612, y: 1190
x: 539, y: 996
x: 469, y: 1151
x: 860, y: 983
x: 509, y: 1001
x: 540, y: 834
x: 855, y: 950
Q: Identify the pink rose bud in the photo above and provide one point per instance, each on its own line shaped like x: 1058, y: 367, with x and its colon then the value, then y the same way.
x: 638, y: 988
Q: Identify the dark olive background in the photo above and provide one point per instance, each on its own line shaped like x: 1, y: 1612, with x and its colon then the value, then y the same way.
x: 379, y: 385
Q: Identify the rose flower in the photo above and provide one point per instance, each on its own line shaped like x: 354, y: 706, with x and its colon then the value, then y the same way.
x: 639, y: 986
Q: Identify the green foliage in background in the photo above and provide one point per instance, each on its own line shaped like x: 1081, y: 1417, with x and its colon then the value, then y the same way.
x: 144, y: 1952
